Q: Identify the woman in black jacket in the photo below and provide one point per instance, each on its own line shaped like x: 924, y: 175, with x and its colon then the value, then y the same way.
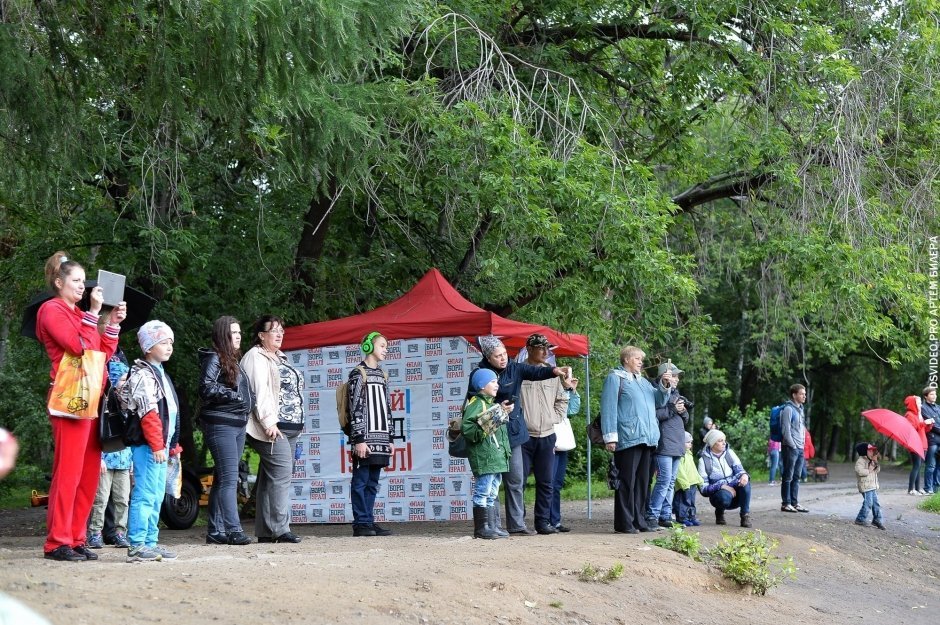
x: 226, y: 403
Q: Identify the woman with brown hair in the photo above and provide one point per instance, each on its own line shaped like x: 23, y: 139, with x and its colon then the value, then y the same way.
x: 226, y: 403
x: 63, y: 328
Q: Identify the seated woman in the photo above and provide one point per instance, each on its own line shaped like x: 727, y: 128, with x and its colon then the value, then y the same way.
x: 727, y: 484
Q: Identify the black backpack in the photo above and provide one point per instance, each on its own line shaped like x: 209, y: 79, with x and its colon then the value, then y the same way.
x: 113, y: 421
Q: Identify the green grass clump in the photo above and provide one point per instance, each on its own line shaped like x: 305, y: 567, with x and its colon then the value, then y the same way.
x: 748, y: 559
x: 680, y: 541
x: 930, y: 504
x: 591, y: 573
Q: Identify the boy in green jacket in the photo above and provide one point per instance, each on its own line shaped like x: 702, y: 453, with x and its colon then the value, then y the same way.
x: 484, y: 428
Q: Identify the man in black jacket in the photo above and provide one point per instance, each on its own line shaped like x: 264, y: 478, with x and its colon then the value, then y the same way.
x: 930, y: 410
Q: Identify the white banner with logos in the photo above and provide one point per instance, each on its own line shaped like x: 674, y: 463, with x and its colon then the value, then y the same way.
x: 427, y: 383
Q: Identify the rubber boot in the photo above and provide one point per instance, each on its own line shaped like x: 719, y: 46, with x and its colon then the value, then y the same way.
x: 480, y: 528
x: 492, y: 520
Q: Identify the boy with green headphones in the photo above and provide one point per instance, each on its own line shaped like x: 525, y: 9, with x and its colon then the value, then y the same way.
x: 370, y: 419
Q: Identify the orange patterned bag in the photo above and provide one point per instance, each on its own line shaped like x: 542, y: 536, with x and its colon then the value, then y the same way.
x: 76, y: 392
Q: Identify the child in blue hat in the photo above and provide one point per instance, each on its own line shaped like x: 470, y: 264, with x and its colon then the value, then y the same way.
x: 488, y: 449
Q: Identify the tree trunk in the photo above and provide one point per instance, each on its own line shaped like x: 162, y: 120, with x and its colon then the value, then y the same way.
x: 312, y: 241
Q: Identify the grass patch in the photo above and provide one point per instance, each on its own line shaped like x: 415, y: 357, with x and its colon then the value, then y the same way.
x: 574, y: 490
x: 930, y: 504
x: 16, y: 489
x: 591, y: 573
x: 680, y: 541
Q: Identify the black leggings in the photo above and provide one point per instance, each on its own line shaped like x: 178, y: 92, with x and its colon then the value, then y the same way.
x: 913, y: 482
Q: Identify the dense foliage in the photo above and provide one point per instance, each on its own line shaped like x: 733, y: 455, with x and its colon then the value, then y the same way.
x: 745, y: 187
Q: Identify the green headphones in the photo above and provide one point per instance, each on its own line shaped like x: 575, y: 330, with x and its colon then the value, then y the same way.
x: 367, y: 347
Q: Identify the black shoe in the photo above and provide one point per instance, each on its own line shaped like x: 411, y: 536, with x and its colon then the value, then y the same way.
x: 562, y: 528
x: 546, y: 529
x: 85, y: 552
x: 655, y: 528
x: 381, y: 531
x: 720, y: 517
x: 363, y: 530
x: 632, y: 530
x: 522, y: 531
x: 64, y: 554
x: 286, y: 537
x: 216, y: 539
x: 237, y: 538
x: 666, y: 523
x: 879, y: 525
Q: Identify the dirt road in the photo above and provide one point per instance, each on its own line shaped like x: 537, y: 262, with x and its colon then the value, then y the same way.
x: 435, y: 573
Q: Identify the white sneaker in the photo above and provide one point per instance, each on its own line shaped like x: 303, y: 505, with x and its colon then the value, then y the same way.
x: 922, y: 493
x: 912, y: 492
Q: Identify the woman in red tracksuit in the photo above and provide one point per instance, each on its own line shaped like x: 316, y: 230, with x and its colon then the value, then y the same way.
x: 62, y: 327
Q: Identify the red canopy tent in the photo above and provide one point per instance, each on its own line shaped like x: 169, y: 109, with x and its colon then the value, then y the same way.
x: 432, y: 308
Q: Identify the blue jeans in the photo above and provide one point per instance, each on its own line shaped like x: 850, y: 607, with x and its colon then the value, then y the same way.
x: 226, y: 443
x: 561, y: 467
x: 362, y: 492
x: 486, y: 489
x: 793, y: 462
x: 774, y: 463
x: 683, y: 502
x: 930, y: 468
x: 869, y: 503
x: 146, y: 498
x: 722, y: 500
x: 660, y: 506
x: 538, y: 456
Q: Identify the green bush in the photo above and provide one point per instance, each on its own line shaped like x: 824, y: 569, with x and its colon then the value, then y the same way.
x: 747, y: 559
x: 679, y: 541
x: 747, y: 435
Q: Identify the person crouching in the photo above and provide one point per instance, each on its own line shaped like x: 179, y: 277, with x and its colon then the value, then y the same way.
x: 488, y: 453
x: 727, y: 484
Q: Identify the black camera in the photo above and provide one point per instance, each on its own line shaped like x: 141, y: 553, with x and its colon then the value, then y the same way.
x: 688, y: 402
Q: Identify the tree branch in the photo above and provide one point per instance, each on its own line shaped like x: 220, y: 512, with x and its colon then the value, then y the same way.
x: 614, y: 32
x: 704, y: 192
x: 475, y: 241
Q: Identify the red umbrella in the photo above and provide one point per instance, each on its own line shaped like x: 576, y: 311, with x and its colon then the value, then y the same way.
x: 895, y: 427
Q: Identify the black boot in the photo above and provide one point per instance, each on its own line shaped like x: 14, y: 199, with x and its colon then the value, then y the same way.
x: 480, y: 527
x: 720, y: 517
x: 492, y: 520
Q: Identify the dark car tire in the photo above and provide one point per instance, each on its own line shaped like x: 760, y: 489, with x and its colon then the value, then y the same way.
x: 180, y: 514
